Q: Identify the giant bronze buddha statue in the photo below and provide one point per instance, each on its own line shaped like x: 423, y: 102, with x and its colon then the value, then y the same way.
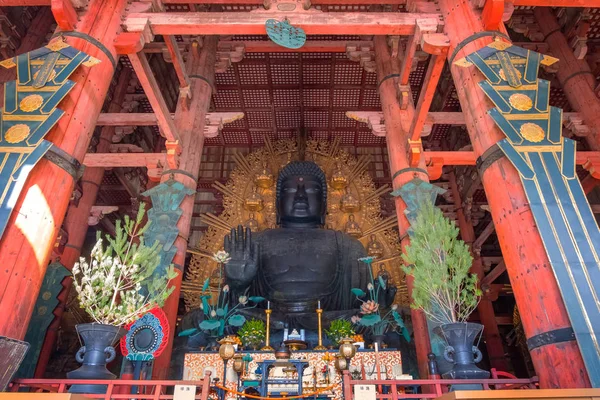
x: 298, y: 264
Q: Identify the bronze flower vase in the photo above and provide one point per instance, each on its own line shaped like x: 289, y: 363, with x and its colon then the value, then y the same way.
x: 96, y: 352
x: 462, y: 352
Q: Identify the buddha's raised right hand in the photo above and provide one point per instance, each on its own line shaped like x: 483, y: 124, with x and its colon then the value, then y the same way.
x: 243, y: 266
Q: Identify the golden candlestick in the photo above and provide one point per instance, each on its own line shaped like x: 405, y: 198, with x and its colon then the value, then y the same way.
x: 320, y: 346
x: 267, y: 346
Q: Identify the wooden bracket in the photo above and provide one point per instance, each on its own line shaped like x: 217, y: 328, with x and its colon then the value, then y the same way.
x: 492, y: 14
x: 64, y: 14
x: 374, y: 119
x: 121, y: 132
x: 365, y: 55
x: 294, y: 6
x: 415, y: 151
x: 178, y: 64
x: 228, y: 53
x: 125, y: 148
x: 403, y: 94
x: 98, y: 212
x: 574, y: 123
x: 215, y: 122
x: 592, y: 165
x: 173, y: 152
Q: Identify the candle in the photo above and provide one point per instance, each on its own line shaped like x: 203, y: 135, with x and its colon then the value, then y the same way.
x: 268, y: 305
x: 319, y: 304
x: 376, y: 345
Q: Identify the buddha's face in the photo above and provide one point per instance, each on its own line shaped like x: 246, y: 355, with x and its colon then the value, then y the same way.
x: 301, y: 200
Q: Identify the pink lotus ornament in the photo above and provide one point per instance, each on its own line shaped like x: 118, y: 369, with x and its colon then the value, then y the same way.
x: 369, y: 307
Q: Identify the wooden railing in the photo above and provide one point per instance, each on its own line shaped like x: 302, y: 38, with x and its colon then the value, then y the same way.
x: 116, y: 389
x: 429, y: 388
x: 157, y: 390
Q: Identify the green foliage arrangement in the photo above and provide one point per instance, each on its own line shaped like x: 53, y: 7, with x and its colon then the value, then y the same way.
x: 252, y: 333
x: 339, y: 329
x: 440, y: 262
x: 118, y: 283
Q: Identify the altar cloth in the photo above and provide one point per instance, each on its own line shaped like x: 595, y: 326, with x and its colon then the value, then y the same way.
x: 195, y: 365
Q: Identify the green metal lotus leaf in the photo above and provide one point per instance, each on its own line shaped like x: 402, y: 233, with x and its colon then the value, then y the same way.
x: 370, y: 320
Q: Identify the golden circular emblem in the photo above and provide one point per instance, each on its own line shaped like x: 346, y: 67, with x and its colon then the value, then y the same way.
x: 503, y: 75
x: 532, y: 132
x: 16, y: 133
x: 31, y: 103
x: 521, y: 102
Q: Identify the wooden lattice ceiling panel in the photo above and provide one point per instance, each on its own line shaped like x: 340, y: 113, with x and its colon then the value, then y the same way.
x: 281, y: 92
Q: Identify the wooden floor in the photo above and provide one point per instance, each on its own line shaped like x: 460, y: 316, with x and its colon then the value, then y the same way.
x: 542, y: 394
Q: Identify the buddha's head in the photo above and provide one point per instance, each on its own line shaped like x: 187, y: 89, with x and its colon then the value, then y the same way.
x: 301, y: 196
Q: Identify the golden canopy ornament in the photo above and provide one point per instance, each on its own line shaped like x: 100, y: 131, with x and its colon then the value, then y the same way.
x: 243, y: 186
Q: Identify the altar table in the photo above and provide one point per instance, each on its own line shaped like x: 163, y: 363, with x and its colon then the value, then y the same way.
x: 195, y: 365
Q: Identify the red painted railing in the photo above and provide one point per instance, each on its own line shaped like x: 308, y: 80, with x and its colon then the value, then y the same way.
x: 430, y: 388
x: 116, y: 389
x: 157, y: 390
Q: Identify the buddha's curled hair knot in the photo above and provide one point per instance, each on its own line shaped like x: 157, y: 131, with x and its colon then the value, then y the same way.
x: 296, y: 168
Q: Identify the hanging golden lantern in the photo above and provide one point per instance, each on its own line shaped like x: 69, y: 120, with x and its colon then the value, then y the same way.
x: 238, y: 363
x: 341, y: 363
x: 254, y: 202
x: 226, y: 350
x: 347, y: 349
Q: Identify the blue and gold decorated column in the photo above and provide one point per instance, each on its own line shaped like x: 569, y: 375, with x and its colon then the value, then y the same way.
x: 545, y: 161
x: 30, y: 111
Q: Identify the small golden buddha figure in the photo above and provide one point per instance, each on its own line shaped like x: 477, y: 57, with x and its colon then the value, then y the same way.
x: 251, y: 223
x: 384, y: 274
x: 254, y: 202
x: 338, y: 179
x: 352, y: 227
x: 264, y: 179
x: 349, y: 203
x: 374, y: 248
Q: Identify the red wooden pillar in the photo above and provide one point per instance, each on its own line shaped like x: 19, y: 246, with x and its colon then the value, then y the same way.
x: 397, y: 125
x: 29, y: 238
x: 535, y: 288
x: 491, y: 334
x: 76, y: 223
x: 575, y: 76
x: 190, y: 119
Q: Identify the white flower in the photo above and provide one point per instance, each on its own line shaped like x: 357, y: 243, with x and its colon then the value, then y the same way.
x: 243, y: 299
x: 225, y: 288
x: 394, y: 307
x: 213, y: 313
x: 370, y: 286
x: 221, y: 257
